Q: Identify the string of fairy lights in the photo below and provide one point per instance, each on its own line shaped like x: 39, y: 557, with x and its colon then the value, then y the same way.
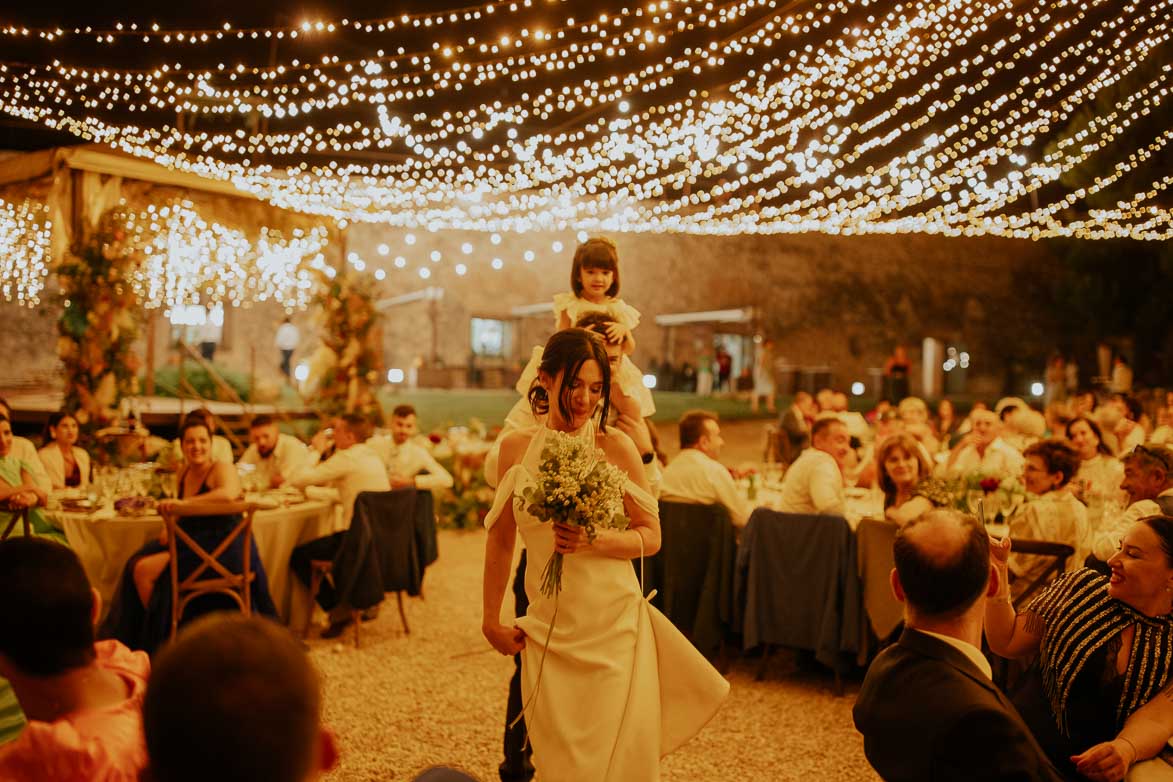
x: 182, y: 259
x: 744, y: 116
x: 25, y: 241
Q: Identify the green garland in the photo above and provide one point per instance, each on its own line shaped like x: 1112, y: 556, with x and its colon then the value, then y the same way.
x: 348, y: 365
x: 100, y: 322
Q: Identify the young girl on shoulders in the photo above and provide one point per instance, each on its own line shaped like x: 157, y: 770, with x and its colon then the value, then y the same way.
x: 594, y: 283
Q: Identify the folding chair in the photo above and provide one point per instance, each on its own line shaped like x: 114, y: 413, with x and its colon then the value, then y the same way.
x: 235, y: 585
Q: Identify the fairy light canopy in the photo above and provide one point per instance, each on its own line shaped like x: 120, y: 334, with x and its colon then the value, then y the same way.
x: 1023, y: 118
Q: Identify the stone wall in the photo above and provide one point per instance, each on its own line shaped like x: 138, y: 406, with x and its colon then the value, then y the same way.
x: 840, y: 302
x: 835, y: 302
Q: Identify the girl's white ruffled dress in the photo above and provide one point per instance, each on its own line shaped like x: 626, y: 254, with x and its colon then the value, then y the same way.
x: 629, y: 376
x: 620, y: 686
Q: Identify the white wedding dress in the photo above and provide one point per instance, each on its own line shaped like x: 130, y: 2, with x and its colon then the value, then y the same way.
x: 619, y: 687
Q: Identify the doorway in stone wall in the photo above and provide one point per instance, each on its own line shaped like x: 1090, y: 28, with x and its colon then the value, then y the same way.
x: 740, y: 350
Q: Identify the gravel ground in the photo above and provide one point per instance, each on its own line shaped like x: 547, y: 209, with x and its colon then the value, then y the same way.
x: 401, y: 702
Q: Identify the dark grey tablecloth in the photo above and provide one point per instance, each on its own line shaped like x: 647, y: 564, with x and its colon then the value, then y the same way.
x: 798, y: 585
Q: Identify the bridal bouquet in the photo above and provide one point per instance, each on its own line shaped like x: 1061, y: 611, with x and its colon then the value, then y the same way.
x: 577, y: 486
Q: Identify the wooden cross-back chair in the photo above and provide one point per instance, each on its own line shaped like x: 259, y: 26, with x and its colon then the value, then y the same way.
x: 196, y: 584
x: 1059, y: 554
x: 20, y: 515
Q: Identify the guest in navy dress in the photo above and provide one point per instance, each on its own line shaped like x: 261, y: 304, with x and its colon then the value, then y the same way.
x: 140, y: 615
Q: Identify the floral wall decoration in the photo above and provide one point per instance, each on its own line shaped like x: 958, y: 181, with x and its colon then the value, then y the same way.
x: 348, y: 365
x: 100, y: 321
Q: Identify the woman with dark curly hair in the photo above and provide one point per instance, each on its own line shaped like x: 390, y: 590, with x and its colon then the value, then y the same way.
x: 1105, y: 650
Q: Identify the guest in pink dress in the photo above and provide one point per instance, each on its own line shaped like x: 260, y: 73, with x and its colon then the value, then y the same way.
x: 83, y: 700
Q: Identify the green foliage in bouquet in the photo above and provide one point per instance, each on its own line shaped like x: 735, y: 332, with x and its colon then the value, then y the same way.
x: 577, y: 486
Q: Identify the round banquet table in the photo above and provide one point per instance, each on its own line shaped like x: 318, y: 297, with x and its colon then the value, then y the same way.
x: 104, y: 542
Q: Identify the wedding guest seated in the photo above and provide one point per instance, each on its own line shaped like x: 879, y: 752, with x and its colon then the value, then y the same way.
x: 1148, y: 482
x: 236, y: 699
x: 814, y: 483
x: 696, y: 476
x: 825, y: 400
x: 353, y: 468
x: 927, y: 709
x: 983, y: 450
x: 275, y: 454
x: 1056, y: 416
x: 1050, y: 513
x: 1103, y: 650
x: 1130, y: 431
x: 1163, y: 434
x: 83, y: 699
x: 25, y: 452
x: 1084, y: 402
x: 171, y: 457
x: 19, y: 488
x: 915, y: 414
x: 140, y: 614
x: 794, y: 427
x: 408, y: 463
x: 1097, y: 482
x: 906, y: 479
x: 947, y: 423
x: 857, y: 425
x: 66, y: 465
x: 1023, y: 427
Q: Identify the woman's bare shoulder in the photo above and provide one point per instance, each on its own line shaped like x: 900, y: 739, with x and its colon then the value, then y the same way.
x: 616, y: 444
x: 513, y: 445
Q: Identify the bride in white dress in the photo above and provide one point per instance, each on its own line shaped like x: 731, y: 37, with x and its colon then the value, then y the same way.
x: 617, y: 687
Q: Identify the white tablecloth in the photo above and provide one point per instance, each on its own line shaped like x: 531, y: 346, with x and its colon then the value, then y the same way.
x: 860, y: 505
x: 104, y: 544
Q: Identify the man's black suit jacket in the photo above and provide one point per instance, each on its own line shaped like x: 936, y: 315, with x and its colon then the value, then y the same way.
x: 927, y: 712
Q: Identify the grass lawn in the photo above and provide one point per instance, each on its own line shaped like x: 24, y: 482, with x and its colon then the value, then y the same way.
x: 453, y: 407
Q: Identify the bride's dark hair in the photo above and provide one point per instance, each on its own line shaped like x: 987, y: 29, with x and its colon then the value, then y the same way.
x: 569, y: 349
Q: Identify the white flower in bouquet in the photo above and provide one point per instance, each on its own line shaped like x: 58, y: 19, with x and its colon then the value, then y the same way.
x: 576, y: 486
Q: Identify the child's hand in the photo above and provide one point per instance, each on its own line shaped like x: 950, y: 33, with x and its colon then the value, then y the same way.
x: 617, y: 332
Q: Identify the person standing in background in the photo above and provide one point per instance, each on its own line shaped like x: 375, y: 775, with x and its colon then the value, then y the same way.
x: 897, y: 369
x: 288, y: 338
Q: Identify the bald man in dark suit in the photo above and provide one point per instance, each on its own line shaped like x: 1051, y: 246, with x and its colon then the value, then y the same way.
x: 927, y: 709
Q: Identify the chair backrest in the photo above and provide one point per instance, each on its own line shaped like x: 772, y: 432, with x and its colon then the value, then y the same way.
x: 693, y: 571
x: 210, y: 576
x: 798, y: 583
x: 392, y: 519
x: 18, y: 515
x: 1059, y: 552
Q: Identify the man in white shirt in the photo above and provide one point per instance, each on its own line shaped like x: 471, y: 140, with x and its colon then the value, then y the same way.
x: 814, y: 483
x: 1148, y: 480
x: 696, y: 476
x: 983, y: 450
x: 23, y: 449
x: 352, y: 469
x: 408, y: 463
x: 274, y: 454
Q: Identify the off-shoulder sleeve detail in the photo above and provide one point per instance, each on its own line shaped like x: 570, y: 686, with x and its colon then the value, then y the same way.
x: 504, y: 495
x: 624, y: 313
x: 642, y: 498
